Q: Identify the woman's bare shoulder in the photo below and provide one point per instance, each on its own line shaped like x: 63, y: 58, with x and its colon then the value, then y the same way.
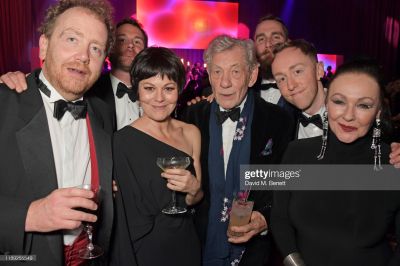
x: 188, y: 129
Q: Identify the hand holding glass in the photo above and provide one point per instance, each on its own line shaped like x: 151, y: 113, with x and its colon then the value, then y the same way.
x: 91, y: 251
x: 173, y: 163
x: 240, y: 215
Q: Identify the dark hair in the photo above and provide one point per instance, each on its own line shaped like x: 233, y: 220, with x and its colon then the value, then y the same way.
x: 277, y: 19
x: 155, y: 61
x: 101, y: 8
x: 306, y: 48
x: 136, y: 24
x: 370, y: 68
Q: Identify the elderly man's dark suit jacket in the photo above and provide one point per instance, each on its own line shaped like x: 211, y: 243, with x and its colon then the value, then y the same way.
x: 28, y: 173
x: 269, y: 122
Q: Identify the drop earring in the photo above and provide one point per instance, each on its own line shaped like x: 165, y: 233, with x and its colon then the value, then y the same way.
x: 324, y: 135
x: 140, y: 110
x: 376, y: 144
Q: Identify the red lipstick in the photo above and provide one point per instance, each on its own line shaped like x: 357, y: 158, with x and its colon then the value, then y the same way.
x: 347, y: 128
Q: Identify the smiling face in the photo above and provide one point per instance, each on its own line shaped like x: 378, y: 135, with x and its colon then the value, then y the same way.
x: 297, y: 77
x: 158, y: 97
x: 129, y: 42
x: 74, y: 53
x: 231, y: 76
x: 353, y: 103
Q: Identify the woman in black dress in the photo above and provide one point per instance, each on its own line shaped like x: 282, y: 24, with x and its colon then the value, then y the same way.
x: 145, y: 236
x: 346, y: 228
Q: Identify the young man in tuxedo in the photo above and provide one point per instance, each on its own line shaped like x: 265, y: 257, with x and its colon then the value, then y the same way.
x: 298, y: 74
x: 238, y: 127
x: 54, y: 139
x: 115, y: 88
x: 270, y: 32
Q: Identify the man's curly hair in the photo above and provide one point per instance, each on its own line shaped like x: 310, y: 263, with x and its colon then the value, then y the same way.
x: 102, y: 9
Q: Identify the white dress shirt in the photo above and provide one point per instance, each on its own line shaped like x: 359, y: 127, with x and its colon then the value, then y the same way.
x: 126, y: 110
x: 228, y: 132
x: 271, y: 95
x: 311, y: 130
x: 70, y: 144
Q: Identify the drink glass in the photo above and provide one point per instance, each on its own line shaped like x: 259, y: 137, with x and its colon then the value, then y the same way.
x: 173, y: 163
x: 240, y: 214
x: 91, y: 250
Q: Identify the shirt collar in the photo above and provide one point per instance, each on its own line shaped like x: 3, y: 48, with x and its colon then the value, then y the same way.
x: 320, y: 112
x: 114, y: 83
x: 268, y: 81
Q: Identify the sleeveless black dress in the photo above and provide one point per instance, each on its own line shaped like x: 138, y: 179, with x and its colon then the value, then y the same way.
x: 142, y: 232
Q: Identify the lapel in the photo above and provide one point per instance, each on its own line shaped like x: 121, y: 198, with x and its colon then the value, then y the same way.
x: 109, y: 93
x: 34, y: 145
x: 281, y: 102
x: 203, y: 122
x: 297, y: 124
x: 259, y: 131
x: 102, y: 142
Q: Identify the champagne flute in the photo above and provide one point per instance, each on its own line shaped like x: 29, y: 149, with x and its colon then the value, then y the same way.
x: 173, y: 163
x: 91, y: 250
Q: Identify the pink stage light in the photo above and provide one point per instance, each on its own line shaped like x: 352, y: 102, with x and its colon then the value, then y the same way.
x: 332, y: 60
x: 186, y: 24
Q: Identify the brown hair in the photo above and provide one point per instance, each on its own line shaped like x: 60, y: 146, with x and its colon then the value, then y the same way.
x: 305, y: 47
x: 136, y: 24
x: 101, y: 8
x: 277, y: 19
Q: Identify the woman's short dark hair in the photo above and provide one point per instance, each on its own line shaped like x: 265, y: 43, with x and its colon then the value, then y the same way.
x: 370, y: 68
x: 155, y: 61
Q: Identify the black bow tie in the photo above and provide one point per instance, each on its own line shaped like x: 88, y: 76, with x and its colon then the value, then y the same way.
x: 268, y: 86
x: 77, y: 109
x: 315, y: 119
x: 233, y: 114
x: 122, y: 89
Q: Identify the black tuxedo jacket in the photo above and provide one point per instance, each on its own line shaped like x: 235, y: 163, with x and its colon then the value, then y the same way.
x: 103, y: 90
x: 285, y: 105
x: 28, y: 173
x: 269, y: 122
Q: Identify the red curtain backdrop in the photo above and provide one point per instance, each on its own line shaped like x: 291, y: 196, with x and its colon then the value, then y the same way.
x: 16, y: 34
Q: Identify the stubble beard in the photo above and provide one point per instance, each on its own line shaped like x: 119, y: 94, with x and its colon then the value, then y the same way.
x: 265, y: 61
x: 69, y: 87
x: 124, y: 65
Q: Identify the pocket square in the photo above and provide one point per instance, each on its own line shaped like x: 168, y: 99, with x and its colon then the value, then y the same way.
x: 268, y: 148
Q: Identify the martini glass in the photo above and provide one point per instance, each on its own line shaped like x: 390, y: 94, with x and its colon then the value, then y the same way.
x: 173, y: 163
